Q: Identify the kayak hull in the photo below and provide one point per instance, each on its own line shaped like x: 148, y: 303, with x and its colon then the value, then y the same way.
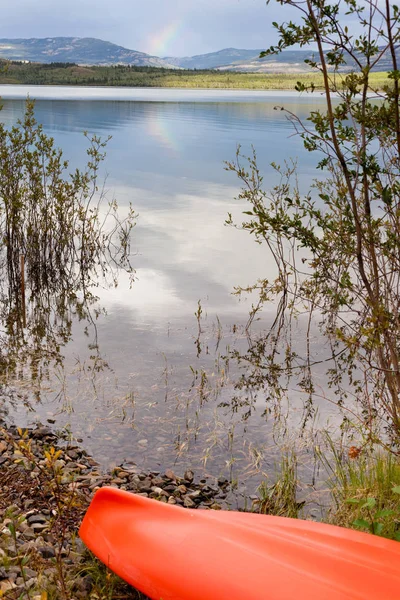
x: 171, y: 553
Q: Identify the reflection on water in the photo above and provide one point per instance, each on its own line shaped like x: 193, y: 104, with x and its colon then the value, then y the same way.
x: 157, y: 402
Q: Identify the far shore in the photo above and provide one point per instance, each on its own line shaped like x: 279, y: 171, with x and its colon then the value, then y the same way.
x: 123, y: 77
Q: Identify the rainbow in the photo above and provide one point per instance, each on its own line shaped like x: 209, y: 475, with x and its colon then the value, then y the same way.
x: 160, y: 130
x: 158, y: 43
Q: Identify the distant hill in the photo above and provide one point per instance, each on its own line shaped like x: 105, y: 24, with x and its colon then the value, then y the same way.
x: 289, y: 61
x: 92, y: 51
x: 213, y: 60
x: 87, y: 51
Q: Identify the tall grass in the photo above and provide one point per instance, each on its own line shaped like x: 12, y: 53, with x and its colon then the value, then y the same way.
x: 364, y: 486
x: 280, y: 498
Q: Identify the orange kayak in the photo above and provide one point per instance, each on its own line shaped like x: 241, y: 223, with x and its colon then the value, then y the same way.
x: 171, y: 553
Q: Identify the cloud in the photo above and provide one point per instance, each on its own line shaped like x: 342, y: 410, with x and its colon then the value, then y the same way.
x: 161, y: 27
x: 205, y: 25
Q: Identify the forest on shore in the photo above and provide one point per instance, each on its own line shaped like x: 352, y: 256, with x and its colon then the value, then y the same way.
x: 18, y: 73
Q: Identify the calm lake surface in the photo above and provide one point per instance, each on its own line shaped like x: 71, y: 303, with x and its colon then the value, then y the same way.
x: 152, y: 405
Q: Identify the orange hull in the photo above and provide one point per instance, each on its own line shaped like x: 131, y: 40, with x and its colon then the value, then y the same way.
x: 171, y: 553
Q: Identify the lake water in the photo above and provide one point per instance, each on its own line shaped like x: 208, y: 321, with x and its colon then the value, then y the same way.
x: 157, y: 403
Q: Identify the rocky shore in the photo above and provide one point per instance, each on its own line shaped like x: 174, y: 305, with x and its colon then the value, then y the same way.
x: 46, y: 484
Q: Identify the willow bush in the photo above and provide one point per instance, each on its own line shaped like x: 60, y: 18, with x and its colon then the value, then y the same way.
x: 337, y: 247
x: 70, y: 240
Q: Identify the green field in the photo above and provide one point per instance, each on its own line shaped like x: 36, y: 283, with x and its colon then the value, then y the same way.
x: 67, y: 74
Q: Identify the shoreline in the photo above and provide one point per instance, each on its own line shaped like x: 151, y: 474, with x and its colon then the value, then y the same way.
x: 47, y: 485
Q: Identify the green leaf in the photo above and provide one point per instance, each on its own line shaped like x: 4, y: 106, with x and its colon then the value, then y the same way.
x: 396, y: 489
x: 370, y: 503
x: 353, y: 501
x: 361, y: 523
x: 11, y: 528
x: 397, y: 536
x: 377, y: 528
x: 386, y: 512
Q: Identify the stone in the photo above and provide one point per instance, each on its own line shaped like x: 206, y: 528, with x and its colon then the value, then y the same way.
x: 72, y: 454
x: 131, y: 467
x: 12, y: 576
x: 184, y: 482
x: 118, y: 480
x: 29, y: 572
x: 7, y: 585
x: 188, y: 502
x: 169, y: 488
x: 37, y: 527
x: 46, y: 551
x: 189, y: 475
x: 145, y: 486
x: 42, y: 432
x: 29, y: 534
x: 208, y: 490
x: 170, y: 474
x: 196, y: 495
x: 159, y: 491
x: 39, y: 518
x: 27, y: 546
x: 158, y: 481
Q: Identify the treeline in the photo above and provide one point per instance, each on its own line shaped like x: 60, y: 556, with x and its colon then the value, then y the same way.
x: 52, y: 65
x: 13, y: 72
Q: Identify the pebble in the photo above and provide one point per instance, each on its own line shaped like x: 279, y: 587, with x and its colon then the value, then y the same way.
x: 39, y: 518
x: 38, y: 527
x: 7, y: 585
x: 188, y: 502
x: 170, y: 474
x: 35, y: 514
x: 46, y: 551
x: 189, y: 476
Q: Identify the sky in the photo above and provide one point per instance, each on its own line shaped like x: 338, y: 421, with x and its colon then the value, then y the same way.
x: 157, y: 27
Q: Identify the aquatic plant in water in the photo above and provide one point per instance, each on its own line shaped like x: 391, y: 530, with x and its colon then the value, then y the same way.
x: 60, y: 239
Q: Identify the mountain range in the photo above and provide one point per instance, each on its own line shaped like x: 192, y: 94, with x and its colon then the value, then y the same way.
x: 92, y: 51
x: 87, y: 51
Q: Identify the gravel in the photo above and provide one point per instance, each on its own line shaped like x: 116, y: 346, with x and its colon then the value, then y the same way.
x: 45, y: 488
